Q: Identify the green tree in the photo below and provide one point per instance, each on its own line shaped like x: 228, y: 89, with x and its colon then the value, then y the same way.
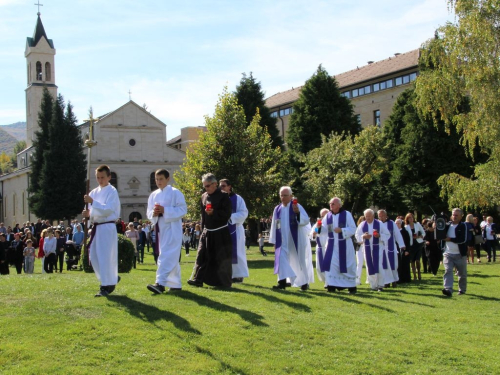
x: 420, y: 152
x: 5, y: 163
x: 19, y: 146
x: 344, y: 167
x: 229, y: 149
x: 462, y: 61
x: 63, y: 176
x: 320, y: 110
x: 250, y: 96
x: 40, y: 143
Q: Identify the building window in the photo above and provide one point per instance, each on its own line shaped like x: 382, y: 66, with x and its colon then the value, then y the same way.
x: 131, y: 142
x: 38, y: 71
x: 368, y: 89
x: 286, y: 111
x: 376, y: 117
x: 358, y: 118
x: 413, y: 77
x: 399, y: 81
x: 114, y: 180
x: 274, y: 114
x: 48, y: 73
x: 406, y: 79
x: 376, y: 87
x: 346, y: 94
x: 355, y: 93
x: 152, y: 182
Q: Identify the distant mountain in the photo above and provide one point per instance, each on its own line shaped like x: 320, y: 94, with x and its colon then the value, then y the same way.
x: 10, y: 134
x: 17, y: 130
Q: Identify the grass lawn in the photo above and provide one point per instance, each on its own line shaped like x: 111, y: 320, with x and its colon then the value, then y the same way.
x: 52, y: 324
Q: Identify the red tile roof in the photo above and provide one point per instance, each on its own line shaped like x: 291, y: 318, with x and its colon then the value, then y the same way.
x: 372, y: 71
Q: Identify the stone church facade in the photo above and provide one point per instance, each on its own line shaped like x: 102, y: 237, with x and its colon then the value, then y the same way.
x: 129, y: 139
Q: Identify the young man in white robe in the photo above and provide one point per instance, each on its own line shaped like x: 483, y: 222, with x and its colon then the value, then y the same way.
x: 238, y: 217
x: 290, y: 235
x: 166, y: 208
x: 104, y: 209
x: 338, y: 257
x: 392, y: 250
x: 373, y: 237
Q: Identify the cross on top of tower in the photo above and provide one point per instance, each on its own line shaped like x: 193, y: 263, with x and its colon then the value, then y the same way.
x: 39, y: 5
x: 129, y: 95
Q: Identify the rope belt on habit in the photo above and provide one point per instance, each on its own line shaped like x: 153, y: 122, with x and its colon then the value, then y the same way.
x: 94, y: 227
x: 213, y: 230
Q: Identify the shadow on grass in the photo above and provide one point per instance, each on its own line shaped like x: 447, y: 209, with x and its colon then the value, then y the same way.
x: 295, y: 291
x: 225, y: 366
x: 152, y: 314
x: 249, y: 316
x: 293, y: 305
x: 266, y: 263
x: 353, y: 298
x: 484, y: 298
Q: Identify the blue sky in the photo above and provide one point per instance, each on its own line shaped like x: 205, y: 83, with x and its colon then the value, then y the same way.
x: 176, y: 56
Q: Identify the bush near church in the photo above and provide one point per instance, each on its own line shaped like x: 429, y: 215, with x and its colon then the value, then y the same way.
x: 125, y: 256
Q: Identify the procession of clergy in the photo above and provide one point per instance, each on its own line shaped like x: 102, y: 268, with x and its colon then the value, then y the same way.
x: 221, y: 257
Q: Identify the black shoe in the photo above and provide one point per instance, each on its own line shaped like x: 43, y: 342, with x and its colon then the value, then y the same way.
x: 156, y: 288
x: 304, y: 287
x: 353, y: 290
x: 174, y: 289
x: 119, y: 279
x: 288, y: 285
x: 460, y: 293
x: 282, y: 284
x: 447, y: 292
x: 237, y: 280
x: 394, y: 284
x: 331, y: 289
x: 380, y: 289
x: 195, y: 283
x: 102, y: 292
x: 110, y: 288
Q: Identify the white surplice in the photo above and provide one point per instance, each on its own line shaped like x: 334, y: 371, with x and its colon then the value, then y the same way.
x: 169, y: 238
x: 104, y: 249
x: 240, y: 269
x: 396, y: 239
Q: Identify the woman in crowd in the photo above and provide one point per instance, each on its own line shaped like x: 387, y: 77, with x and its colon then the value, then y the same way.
x: 133, y: 236
x: 197, y: 233
x: 49, y: 249
x: 469, y: 222
x: 416, y: 233
x: 41, y: 254
x: 60, y: 246
x: 478, y: 238
x: 435, y: 254
x: 403, y: 255
x: 490, y: 236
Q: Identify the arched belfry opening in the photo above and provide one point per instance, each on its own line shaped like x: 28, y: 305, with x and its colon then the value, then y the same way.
x: 48, y: 74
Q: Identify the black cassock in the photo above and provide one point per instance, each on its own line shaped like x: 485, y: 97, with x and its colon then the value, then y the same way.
x: 214, y: 260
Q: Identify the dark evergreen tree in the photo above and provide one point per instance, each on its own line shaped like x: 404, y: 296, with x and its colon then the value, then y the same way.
x: 64, y: 172
x: 250, y: 96
x: 320, y: 109
x: 421, y: 152
x: 40, y: 143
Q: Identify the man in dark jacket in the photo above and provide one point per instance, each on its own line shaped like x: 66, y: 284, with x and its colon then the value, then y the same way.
x: 455, y: 254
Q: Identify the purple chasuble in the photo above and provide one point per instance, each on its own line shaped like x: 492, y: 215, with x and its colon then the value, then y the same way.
x: 390, y: 227
x: 294, y: 230
x: 326, y: 263
x: 372, y: 252
x: 232, y: 229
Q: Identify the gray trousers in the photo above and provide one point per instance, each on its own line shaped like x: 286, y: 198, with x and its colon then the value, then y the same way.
x: 459, y: 262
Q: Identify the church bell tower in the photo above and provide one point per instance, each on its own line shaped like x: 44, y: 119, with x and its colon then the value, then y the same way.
x: 40, y: 73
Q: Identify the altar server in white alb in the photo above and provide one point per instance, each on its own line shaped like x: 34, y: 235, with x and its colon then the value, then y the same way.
x: 166, y: 208
x: 337, y: 259
x: 392, y: 250
x: 292, y: 249
x: 104, y: 209
x: 373, y: 237
x: 235, y: 224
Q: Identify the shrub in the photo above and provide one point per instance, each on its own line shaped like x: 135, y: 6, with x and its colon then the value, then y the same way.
x: 125, y: 256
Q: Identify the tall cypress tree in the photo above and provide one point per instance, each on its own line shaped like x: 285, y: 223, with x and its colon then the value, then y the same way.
x: 40, y: 143
x: 250, y: 97
x: 320, y: 109
x: 62, y: 183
